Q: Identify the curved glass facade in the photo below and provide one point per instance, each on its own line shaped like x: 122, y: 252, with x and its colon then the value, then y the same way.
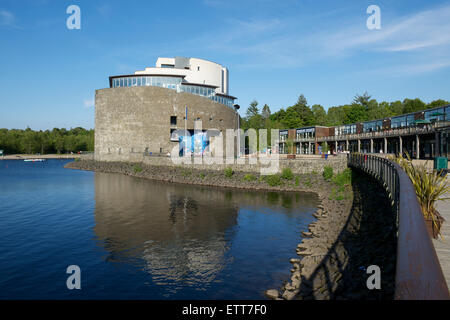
x: 174, y: 83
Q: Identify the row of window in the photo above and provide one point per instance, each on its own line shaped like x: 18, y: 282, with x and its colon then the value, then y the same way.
x: 347, y: 129
x: 171, y: 83
x: 306, y: 133
x: 372, y: 126
x: 165, y: 82
x: 402, y: 121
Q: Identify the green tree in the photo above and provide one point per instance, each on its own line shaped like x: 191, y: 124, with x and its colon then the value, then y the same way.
x: 362, y: 100
x: 356, y: 113
x: 437, y: 103
x: 252, y: 110
x: 265, y: 113
x: 319, y: 115
x: 396, y: 108
x: 410, y: 105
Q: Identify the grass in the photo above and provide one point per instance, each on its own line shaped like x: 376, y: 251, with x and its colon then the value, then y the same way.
x: 297, y: 181
x: 327, y: 173
x: 308, y: 182
x: 186, y: 173
x: 287, y: 174
x: 274, y: 180
x: 137, y: 168
x: 249, y: 177
x: 228, y: 172
x: 344, y: 178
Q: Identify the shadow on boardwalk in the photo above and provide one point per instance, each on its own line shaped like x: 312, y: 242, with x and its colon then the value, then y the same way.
x: 368, y: 238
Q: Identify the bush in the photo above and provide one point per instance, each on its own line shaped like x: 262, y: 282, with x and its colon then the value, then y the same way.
x: 297, y: 181
x: 308, y: 182
x: 202, y: 175
x: 228, y: 172
x: 327, y: 172
x: 344, y: 178
x: 287, y: 174
x: 137, y: 168
x: 186, y: 173
x: 249, y: 177
x: 274, y: 180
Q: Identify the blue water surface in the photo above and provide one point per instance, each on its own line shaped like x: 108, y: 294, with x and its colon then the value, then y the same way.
x: 139, y: 239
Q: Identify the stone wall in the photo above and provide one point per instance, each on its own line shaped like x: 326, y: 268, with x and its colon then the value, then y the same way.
x: 130, y: 121
x: 298, y: 166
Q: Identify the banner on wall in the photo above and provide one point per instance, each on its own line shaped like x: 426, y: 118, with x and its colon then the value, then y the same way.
x: 195, y: 144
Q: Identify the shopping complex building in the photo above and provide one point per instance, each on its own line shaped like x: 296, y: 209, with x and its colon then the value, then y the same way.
x: 156, y: 110
x: 423, y: 135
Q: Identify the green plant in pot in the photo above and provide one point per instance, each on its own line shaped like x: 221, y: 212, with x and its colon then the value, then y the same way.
x: 430, y: 187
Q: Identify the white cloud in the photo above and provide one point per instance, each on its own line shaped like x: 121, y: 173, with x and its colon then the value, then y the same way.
x: 287, y: 42
x: 6, y: 18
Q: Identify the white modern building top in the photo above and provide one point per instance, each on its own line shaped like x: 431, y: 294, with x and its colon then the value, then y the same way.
x: 191, y: 75
x: 194, y: 71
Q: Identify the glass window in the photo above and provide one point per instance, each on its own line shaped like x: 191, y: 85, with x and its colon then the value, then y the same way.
x: 409, y: 120
x: 139, y: 81
x: 447, y: 114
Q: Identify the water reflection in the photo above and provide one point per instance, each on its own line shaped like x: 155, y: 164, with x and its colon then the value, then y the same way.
x: 185, y: 236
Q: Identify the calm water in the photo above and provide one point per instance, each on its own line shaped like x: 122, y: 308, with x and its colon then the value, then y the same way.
x: 140, y: 239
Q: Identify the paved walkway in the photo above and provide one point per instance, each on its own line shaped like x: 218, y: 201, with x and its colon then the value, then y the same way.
x: 443, y: 246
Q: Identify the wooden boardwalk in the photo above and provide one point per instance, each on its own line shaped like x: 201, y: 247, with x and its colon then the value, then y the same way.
x: 443, y: 246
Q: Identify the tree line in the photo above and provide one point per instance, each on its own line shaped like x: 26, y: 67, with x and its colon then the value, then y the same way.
x: 362, y: 108
x: 28, y: 141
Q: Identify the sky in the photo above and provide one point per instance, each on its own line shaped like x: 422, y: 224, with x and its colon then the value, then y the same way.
x: 274, y: 50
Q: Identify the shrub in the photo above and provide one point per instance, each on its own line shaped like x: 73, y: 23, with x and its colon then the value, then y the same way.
x: 308, y: 182
x: 228, y: 172
x: 249, y: 177
x: 186, y: 173
x: 202, y: 175
x: 137, y: 168
x: 344, y: 178
x: 287, y: 174
x: 327, y: 172
x: 274, y: 180
x: 297, y: 181
x: 429, y: 186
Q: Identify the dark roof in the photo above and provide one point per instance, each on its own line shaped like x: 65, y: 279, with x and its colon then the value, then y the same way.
x: 225, y: 95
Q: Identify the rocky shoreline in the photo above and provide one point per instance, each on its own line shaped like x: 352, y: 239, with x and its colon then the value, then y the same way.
x: 330, y: 258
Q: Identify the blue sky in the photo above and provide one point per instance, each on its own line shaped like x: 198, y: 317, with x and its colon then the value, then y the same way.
x: 274, y: 50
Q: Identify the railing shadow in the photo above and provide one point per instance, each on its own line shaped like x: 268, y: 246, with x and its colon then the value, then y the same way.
x: 367, y: 238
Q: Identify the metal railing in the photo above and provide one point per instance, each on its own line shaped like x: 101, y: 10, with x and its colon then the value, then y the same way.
x: 394, y: 132
x: 418, y: 271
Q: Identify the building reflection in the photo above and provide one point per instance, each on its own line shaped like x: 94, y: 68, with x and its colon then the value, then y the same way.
x: 178, y: 234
